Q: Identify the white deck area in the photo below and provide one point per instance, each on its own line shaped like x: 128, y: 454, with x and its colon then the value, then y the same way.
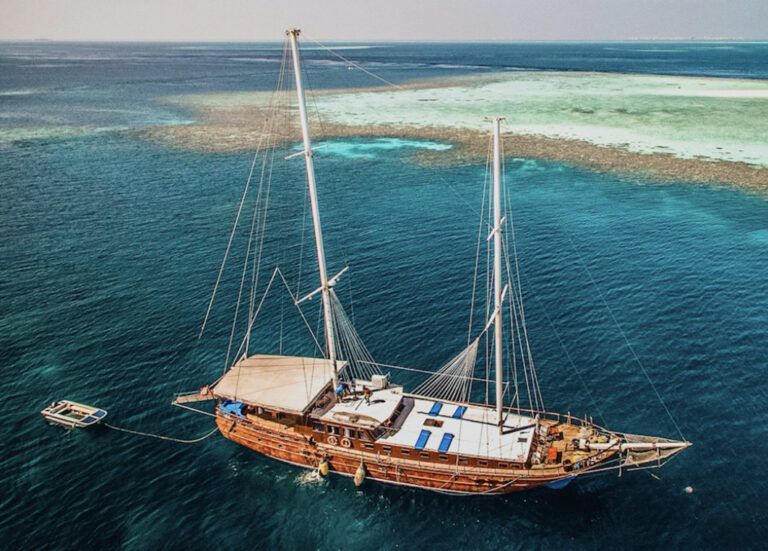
x: 474, y: 434
x: 289, y: 383
x: 355, y: 410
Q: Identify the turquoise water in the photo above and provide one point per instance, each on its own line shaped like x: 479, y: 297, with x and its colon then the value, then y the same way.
x: 109, y: 247
x: 370, y: 149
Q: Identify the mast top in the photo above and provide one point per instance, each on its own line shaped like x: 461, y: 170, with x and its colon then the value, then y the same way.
x: 294, y: 32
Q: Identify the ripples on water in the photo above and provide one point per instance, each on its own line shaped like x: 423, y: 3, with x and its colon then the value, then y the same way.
x: 110, y: 247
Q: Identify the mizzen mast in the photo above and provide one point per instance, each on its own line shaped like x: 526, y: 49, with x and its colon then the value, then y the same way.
x: 330, y: 340
x: 497, y: 253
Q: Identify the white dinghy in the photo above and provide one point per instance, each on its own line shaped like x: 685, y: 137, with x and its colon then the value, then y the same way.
x: 73, y: 415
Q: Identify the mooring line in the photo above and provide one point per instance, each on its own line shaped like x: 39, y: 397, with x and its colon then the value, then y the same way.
x: 181, y: 441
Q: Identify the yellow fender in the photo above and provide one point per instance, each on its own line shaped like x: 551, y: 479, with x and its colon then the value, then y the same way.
x: 324, y: 467
x: 359, y: 474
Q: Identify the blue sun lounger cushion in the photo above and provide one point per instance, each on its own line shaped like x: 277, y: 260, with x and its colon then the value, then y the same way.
x: 459, y: 412
x: 445, y: 443
x: 231, y: 406
x: 422, y: 441
x: 435, y: 409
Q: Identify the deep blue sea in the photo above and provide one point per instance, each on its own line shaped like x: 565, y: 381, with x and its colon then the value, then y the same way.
x: 110, y: 245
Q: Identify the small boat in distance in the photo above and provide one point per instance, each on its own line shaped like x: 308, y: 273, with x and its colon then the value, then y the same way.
x: 73, y: 415
x: 342, y: 412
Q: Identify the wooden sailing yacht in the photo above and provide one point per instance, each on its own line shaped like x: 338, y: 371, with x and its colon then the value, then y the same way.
x: 343, y: 414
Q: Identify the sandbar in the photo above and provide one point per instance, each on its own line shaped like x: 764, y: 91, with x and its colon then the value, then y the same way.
x: 665, y: 137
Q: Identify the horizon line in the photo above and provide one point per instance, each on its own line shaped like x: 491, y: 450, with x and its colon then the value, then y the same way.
x: 394, y: 41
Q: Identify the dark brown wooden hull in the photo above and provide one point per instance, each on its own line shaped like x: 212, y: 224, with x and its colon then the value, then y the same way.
x: 299, y: 449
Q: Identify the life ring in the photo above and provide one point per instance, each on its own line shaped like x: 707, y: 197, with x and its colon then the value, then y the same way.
x: 346, y: 442
x: 332, y: 440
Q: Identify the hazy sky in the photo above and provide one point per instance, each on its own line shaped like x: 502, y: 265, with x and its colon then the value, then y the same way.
x: 371, y: 20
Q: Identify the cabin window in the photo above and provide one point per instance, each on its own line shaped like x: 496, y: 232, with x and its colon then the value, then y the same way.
x: 482, y: 463
x: 405, y: 452
x: 362, y: 435
x: 318, y: 427
x: 463, y: 462
x: 386, y: 449
x: 370, y: 447
x: 443, y: 457
x: 503, y: 465
x: 424, y: 454
x: 332, y: 429
x: 349, y: 433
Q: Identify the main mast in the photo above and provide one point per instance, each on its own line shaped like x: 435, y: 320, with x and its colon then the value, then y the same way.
x: 497, y: 252
x: 330, y: 341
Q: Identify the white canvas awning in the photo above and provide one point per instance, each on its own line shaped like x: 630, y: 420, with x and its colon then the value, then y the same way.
x: 289, y: 383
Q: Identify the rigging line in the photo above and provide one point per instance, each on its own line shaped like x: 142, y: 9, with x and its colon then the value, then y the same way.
x: 415, y: 370
x: 259, y: 248
x: 229, y: 242
x: 242, y: 277
x: 282, y: 318
x: 320, y: 316
x: 261, y: 215
x: 450, y: 186
x: 521, y: 307
x: 488, y: 272
x: 443, y: 180
x: 626, y: 340
x: 301, y: 313
x: 149, y: 434
x: 234, y: 228
x: 356, y: 65
x: 260, y: 218
x: 570, y: 360
x: 274, y: 110
x: 301, y: 241
x: 351, y: 295
x: 477, y: 256
x: 519, y: 296
x: 311, y: 94
x: 251, y: 322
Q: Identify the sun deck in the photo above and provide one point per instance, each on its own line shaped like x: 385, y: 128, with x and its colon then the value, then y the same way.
x: 465, y: 430
x: 287, y: 383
